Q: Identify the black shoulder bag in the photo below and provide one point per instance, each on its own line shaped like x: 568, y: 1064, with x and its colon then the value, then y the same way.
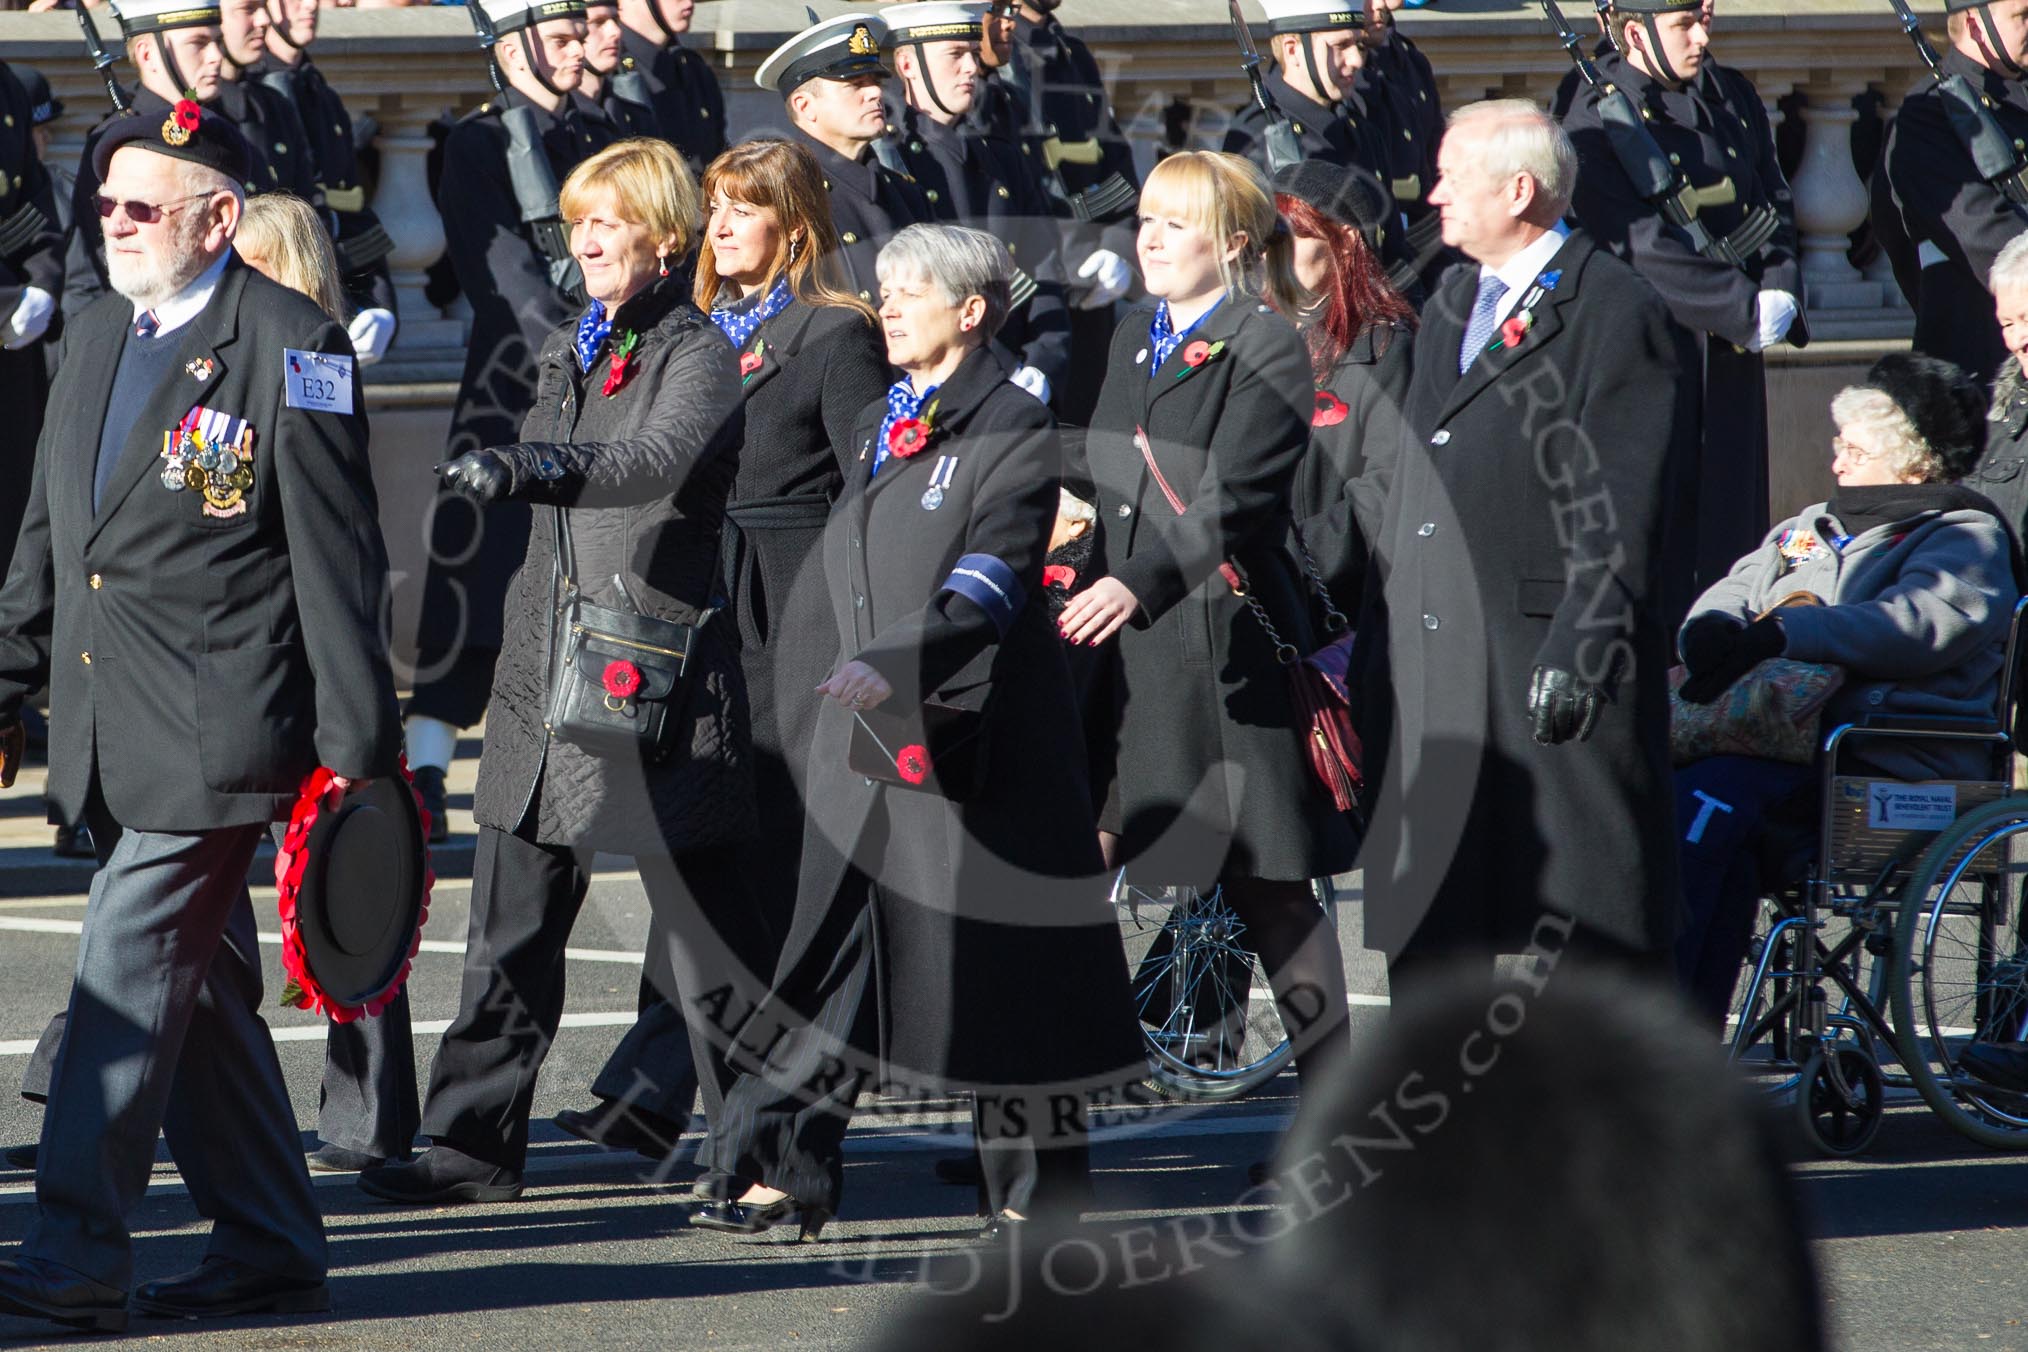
x: 616, y: 676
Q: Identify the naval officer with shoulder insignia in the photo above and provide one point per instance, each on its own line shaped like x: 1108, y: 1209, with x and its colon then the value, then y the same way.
x: 830, y: 77
x: 200, y: 583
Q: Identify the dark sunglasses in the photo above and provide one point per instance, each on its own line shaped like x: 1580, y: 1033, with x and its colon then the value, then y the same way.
x: 144, y: 213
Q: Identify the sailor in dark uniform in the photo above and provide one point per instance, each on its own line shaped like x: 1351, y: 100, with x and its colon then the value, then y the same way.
x: 830, y: 77
x: 1319, y: 49
x: 614, y: 82
x: 689, y: 106
x: 31, y: 284
x: 1398, y: 87
x: 361, y: 241
x: 1051, y: 97
x: 981, y: 181
x: 1738, y: 308
x: 1940, y: 221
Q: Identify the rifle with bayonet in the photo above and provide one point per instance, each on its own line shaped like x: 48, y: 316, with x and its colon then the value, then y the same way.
x: 528, y: 170
x: 1656, y: 181
x: 1279, y: 138
x: 1993, y: 152
x: 102, y: 61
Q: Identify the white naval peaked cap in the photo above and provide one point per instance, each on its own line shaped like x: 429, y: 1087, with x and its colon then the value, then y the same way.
x: 834, y: 49
x: 1312, y: 16
x: 508, y: 16
x: 154, y: 16
x: 934, y: 21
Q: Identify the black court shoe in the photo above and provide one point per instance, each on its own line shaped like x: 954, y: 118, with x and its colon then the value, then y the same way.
x: 226, y: 1286
x: 752, y: 1218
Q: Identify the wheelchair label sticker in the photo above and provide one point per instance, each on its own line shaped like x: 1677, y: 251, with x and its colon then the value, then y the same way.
x: 1911, y: 807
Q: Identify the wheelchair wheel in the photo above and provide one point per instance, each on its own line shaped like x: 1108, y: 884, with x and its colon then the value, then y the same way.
x: 1961, y: 968
x: 1840, y: 1120
x: 1208, y: 1017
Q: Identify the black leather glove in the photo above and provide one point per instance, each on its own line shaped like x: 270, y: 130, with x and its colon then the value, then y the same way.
x: 1747, y: 649
x: 482, y: 476
x: 1562, y: 707
x: 1708, y: 639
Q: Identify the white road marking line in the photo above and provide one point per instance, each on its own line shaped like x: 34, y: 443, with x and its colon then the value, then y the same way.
x: 35, y: 924
x: 315, y: 1032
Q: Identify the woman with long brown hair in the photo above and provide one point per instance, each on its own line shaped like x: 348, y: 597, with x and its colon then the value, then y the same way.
x: 1360, y: 331
x: 810, y: 360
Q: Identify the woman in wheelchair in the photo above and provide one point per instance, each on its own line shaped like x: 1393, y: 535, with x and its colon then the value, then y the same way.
x: 1905, y: 579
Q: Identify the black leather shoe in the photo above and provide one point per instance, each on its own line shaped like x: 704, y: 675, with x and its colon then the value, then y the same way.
x: 74, y: 842
x: 2001, y: 1063
x: 751, y: 1218
x: 20, y: 1157
x: 960, y: 1171
x: 1001, y: 1231
x: 441, y: 1174
x: 226, y: 1286
x: 336, y: 1159
x: 429, y: 786
x: 40, y: 1289
x: 617, y: 1127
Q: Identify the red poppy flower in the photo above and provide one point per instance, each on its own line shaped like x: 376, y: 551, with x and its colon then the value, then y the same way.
x: 907, y: 437
x: 912, y: 762
x: 1330, y: 410
x: 188, y: 114
x: 1059, y: 575
x: 616, y: 376
x: 1195, y: 354
x: 749, y: 362
x: 622, y: 678
x: 1512, y: 331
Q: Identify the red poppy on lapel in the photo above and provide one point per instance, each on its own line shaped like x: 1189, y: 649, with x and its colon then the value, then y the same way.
x: 1330, y: 410
x: 749, y: 362
x: 1199, y: 353
x: 622, y: 364
x: 907, y: 437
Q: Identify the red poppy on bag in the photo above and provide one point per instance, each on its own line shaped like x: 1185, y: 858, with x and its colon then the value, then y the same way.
x: 622, y: 678
x: 907, y: 437
x: 188, y: 115
x: 912, y: 762
x: 1330, y: 410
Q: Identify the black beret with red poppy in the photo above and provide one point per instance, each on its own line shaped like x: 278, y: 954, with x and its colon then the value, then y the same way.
x: 190, y: 132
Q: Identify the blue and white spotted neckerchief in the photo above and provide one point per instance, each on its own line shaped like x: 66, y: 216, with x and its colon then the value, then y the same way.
x: 739, y: 319
x: 902, y: 402
x: 1163, y: 341
x: 591, y: 332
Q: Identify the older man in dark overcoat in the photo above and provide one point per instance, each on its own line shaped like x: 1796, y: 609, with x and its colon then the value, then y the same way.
x: 1528, y: 792
x: 200, y: 582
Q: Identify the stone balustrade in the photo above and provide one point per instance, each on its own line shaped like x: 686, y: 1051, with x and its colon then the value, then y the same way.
x: 1174, y: 80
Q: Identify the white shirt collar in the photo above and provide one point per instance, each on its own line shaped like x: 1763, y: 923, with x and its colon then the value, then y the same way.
x: 1520, y: 271
x: 173, y: 313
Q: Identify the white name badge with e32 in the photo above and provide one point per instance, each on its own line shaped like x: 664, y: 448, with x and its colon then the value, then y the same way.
x: 319, y: 381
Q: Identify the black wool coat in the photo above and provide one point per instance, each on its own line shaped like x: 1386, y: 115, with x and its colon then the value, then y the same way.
x: 644, y: 478
x: 991, y: 914
x: 1213, y: 779
x: 1525, y: 529
x: 1718, y: 136
x: 515, y: 306
x: 869, y: 202
x: 204, y: 664
x: 1355, y: 440
x: 1941, y: 224
x: 814, y: 370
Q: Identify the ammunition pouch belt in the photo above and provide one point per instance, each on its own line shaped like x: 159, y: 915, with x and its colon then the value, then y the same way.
x: 359, y: 252
x: 1105, y: 202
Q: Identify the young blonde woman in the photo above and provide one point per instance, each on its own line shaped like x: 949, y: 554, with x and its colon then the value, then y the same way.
x: 281, y: 238
x: 1200, y: 427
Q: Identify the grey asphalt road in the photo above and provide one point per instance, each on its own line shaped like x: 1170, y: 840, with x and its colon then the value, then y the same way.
x: 1924, y: 1241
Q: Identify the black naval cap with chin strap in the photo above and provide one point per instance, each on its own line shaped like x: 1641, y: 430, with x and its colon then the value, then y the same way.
x: 2009, y: 67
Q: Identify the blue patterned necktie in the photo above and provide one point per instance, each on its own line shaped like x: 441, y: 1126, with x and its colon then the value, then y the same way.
x: 739, y: 319
x: 1479, y: 332
x: 146, y: 325
x: 591, y: 332
x: 902, y: 402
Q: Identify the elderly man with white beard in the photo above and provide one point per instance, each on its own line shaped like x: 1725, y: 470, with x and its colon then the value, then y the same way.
x: 199, y: 581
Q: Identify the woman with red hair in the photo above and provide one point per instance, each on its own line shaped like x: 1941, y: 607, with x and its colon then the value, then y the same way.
x: 1360, y: 332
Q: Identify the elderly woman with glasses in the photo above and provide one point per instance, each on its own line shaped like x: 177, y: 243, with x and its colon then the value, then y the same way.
x: 951, y: 880
x: 629, y: 454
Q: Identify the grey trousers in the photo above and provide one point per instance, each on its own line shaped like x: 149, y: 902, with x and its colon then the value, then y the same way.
x: 164, y: 1033
x: 368, y: 1101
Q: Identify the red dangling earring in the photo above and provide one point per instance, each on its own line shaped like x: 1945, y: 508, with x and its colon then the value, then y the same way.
x: 663, y: 259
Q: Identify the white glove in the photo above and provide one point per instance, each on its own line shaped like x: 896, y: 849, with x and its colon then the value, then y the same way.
x: 371, y: 331
x: 1109, y: 275
x: 1777, y: 310
x: 30, y: 319
x: 1033, y: 381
